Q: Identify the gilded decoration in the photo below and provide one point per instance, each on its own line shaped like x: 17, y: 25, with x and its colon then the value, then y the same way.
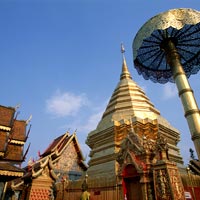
x: 161, y: 182
x: 176, y: 184
x: 169, y: 24
x: 168, y: 183
x: 143, y: 152
x: 161, y: 148
x: 132, y: 149
x: 166, y: 49
x: 45, y: 171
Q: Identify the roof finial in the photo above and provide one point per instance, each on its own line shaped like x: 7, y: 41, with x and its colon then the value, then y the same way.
x: 29, y: 119
x: 122, y: 48
x: 122, y: 51
x: 17, y: 106
x: 125, y: 73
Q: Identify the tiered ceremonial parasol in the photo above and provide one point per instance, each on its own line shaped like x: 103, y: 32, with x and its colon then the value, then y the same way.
x: 167, y: 48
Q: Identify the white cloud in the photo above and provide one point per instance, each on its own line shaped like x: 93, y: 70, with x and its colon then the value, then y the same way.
x: 92, y: 121
x: 65, y: 104
x: 170, y: 91
x: 88, y: 121
x: 95, y: 117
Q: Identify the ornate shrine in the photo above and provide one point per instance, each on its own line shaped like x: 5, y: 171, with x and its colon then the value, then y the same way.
x: 61, y: 161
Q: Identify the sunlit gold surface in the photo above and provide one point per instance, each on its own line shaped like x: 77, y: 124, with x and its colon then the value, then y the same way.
x: 176, y: 18
x: 186, y: 94
x: 128, y: 105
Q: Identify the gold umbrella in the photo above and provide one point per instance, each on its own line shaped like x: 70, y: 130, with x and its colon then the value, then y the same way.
x: 167, y: 48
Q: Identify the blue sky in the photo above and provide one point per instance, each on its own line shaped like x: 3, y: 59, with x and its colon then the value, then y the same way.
x: 61, y: 60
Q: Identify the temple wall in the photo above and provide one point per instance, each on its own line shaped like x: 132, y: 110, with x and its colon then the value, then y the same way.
x: 105, y: 189
x: 99, y: 189
x: 108, y: 193
x: 191, y: 184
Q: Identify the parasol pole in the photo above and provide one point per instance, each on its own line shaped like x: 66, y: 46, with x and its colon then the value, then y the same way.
x: 192, y: 113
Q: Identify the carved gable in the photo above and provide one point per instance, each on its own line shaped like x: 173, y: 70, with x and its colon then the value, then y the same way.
x: 140, y: 151
x: 69, y: 159
x: 131, y: 148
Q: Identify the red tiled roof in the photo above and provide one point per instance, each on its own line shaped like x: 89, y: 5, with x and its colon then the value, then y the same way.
x: 196, y: 162
x: 195, y: 166
x: 19, y: 130
x: 35, y: 169
x: 14, y: 153
x: 57, y: 143
x: 6, y: 115
x: 8, y: 166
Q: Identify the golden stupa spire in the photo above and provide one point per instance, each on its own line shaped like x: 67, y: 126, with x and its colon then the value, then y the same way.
x: 125, y: 72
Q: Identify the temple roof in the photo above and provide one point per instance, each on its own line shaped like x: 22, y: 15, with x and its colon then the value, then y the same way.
x: 9, y: 171
x: 57, y: 143
x: 49, y: 159
x: 13, y: 135
x: 6, y: 116
x: 19, y: 130
x: 194, y: 166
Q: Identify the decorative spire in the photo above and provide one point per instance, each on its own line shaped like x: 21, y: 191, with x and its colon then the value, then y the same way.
x: 127, y: 100
x: 125, y: 72
x: 29, y: 119
x: 122, y: 49
x: 17, y: 106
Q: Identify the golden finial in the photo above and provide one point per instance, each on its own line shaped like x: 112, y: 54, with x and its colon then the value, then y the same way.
x: 125, y: 73
x: 122, y: 50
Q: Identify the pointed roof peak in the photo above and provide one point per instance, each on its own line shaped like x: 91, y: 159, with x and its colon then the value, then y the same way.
x: 125, y: 74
